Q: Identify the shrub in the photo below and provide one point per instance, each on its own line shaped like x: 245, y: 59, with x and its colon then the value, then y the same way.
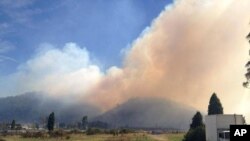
x: 58, y: 133
x: 33, y: 135
x: 126, y: 131
x: 197, y: 134
x: 76, y: 131
x: 93, y: 131
x: 114, y: 132
x: 68, y: 137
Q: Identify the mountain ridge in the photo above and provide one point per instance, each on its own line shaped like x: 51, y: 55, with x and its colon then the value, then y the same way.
x: 149, y: 112
x: 136, y: 112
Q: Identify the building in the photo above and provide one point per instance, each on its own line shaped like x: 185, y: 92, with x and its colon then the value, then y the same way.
x: 218, y: 126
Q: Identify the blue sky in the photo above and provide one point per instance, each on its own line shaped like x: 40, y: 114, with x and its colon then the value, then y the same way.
x: 104, y: 28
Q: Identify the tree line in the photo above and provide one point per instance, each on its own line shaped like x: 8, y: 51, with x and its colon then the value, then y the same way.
x: 51, y: 122
x: 197, y: 127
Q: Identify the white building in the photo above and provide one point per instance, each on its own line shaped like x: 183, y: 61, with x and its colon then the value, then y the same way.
x: 218, y: 126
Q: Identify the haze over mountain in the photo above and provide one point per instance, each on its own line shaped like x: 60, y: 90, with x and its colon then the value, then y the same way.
x: 149, y: 112
x: 137, y: 112
x: 34, y: 107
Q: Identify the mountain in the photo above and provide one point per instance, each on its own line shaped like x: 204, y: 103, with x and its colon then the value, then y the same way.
x: 34, y: 107
x: 149, y: 112
x: 137, y: 112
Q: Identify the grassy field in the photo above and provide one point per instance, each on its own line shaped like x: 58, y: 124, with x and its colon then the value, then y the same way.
x: 168, y: 137
x: 102, y: 137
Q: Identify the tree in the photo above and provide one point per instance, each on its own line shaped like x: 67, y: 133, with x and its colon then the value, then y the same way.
x: 51, y: 122
x: 215, y: 106
x: 85, y: 122
x: 247, y: 75
x: 13, y: 125
x: 196, y: 134
x: 196, y: 121
x: 197, y: 129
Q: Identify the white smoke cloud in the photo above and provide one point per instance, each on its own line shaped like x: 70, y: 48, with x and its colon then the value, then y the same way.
x: 66, y: 71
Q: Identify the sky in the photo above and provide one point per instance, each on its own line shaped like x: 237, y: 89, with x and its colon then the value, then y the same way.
x: 106, y: 52
x: 103, y: 27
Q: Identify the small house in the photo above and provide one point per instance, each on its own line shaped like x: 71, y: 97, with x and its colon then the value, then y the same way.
x: 218, y: 126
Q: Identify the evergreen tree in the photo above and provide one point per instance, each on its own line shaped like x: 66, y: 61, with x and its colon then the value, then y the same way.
x: 85, y: 122
x: 196, y: 134
x: 197, y: 129
x: 13, y: 125
x: 196, y: 121
x: 247, y: 75
x: 51, y: 122
x: 215, y: 106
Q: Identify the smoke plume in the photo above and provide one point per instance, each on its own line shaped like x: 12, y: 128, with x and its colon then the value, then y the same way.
x: 192, y: 49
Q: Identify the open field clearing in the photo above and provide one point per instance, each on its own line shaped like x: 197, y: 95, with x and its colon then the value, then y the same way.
x: 168, y: 137
x: 102, y: 137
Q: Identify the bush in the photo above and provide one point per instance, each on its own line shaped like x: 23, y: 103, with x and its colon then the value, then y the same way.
x: 93, y: 131
x: 126, y: 131
x: 68, y: 137
x: 58, y: 133
x: 197, y: 134
x: 76, y: 131
x: 33, y: 135
x: 114, y: 132
x: 4, y: 133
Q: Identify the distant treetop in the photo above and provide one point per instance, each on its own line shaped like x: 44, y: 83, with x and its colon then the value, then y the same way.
x: 215, y: 106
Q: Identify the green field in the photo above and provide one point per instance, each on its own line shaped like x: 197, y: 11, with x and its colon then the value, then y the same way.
x: 101, y: 137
